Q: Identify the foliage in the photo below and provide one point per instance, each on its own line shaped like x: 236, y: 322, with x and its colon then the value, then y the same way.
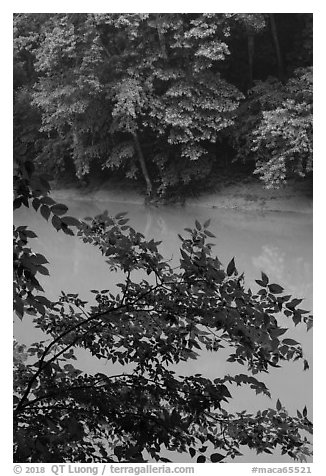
x: 142, y: 405
x: 283, y: 140
x: 157, y: 96
x: 275, y: 128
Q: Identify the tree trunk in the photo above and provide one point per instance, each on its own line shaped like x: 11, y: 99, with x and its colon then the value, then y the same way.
x: 161, y: 37
x: 143, y: 164
x: 277, y: 47
x: 251, y: 50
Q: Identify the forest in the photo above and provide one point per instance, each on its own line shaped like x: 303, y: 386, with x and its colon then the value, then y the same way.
x: 170, y: 104
x: 166, y: 100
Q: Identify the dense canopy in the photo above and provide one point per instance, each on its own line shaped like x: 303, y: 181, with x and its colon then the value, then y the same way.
x: 165, y: 99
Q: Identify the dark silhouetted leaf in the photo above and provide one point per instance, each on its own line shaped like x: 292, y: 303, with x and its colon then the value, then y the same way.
x: 59, y: 209
x: 216, y: 457
x: 275, y: 288
x: 36, y: 204
x: 231, y: 267
x: 203, y: 449
x: 192, y: 452
x: 30, y: 234
x: 43, y: 270
x: 56, y: 222
x: 292, y: 304
x: 120, y: 215
x: 19, y: 307
x: 17, y: 203
x: 290, y: 342
x: 264, y: 279
x: 45, y: 211
x: 47, y: 201
x: 70, y: 221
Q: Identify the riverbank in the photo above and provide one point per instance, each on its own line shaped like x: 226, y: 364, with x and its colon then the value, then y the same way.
x: 251, y: 196
x: 248, y: 194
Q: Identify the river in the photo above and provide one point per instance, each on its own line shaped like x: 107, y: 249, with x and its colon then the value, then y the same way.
x: 276, y: 242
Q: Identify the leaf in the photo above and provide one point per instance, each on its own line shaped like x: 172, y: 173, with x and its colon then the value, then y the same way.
x: 59, y: 209
x: 275, y: 288
x: 47, y: 201
x: 43, y: 270
x: 120, y: 215
x: 192, y: 452
x: 17, y: 203
x: 203, y: 449
x: 70, y: 221
x: 264, y: 279
x: 304, y: 411
x: 30, y: 234
x: 36, y: 204
x: 231, y: 267
x: 292, y: 304
x: 39, y: 307
x: 278, y: 405
x: 198, y: 225
x: 43, y: 300
x: 208, y: 233
x: 25, y: 201
x: 216, y: 457
x: 201, y: 459
x: 67, y: 231
x: 290, y: 342
x: 278, y: 331
x: 16, y: 400
x: 39, y: 259
x: 56, y: 222
x: 207, y: 223
x: 45, y: 211
x: 19, y: 307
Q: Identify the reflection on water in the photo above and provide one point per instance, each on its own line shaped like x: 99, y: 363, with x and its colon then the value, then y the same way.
x: 280, y: 244
x: 273, y: 260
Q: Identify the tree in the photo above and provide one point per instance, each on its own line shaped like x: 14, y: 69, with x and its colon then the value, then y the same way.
x: 160, y: 97
x: 170, y: 315
x: 132, y: 91
x: 283, y: 139
x: 274, y: 128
